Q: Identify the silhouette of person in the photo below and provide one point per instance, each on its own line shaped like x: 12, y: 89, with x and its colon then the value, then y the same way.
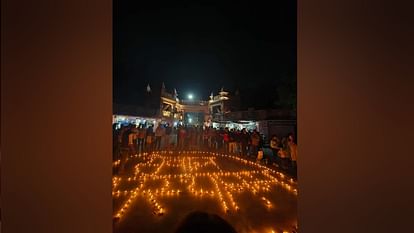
x: 202, y: 222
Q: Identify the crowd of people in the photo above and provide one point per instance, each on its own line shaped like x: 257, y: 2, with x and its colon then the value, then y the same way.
x: 133, y: 139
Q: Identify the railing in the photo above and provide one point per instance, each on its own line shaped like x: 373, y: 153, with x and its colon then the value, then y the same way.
x: 218, y: 97
x: 194, y: 102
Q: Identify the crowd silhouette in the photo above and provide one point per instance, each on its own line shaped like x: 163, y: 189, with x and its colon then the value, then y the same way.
x: 131, y: 139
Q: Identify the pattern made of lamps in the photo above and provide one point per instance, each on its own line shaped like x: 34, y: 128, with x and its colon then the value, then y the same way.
x: 256, y: 179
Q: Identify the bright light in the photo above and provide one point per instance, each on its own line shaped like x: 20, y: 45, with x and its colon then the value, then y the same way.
x: 190, y: 120
x: 190, y: 96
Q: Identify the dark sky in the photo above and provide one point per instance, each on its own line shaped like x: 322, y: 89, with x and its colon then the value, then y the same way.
x: 200, y: 48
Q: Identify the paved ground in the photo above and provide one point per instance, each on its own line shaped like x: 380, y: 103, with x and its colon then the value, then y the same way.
x: 158, y: 190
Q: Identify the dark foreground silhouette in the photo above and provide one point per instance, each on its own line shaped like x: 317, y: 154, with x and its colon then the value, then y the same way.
x: 202, y: 222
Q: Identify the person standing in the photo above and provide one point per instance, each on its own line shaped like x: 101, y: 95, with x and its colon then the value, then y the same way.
x: 158, y: 137
x: 149, y: 139
x: 141, y: 138
x: 135, y: 131
x: 205, y: 138
x: 238, y: 141
x: 193, y: 138
x: 219, y: 139
x: 274, y: 146
x: 189, y: 131
x: 116, y: 136
x: 244, y: 141
x: 211, y: 138
x: 226, y: 139
x: 182, y: 138
x: 178, y: 128
x: 186, y: 137
x: 167, y: 137
x: 198, y: 136
x: 232, y: 141
x: 131, y: 140
x: 162, y: 141
x: 174, y: 138
x: 293, y: 149
x: 124, y: 136
x: 255, y: 141
x: 284, y: 154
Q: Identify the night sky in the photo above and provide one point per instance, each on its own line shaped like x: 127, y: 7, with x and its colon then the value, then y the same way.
x: 198, y: 48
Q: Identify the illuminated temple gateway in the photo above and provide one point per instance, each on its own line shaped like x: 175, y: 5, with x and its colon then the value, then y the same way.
x: 220, y: 110
x: 193, y: 112
x: 166, y: 107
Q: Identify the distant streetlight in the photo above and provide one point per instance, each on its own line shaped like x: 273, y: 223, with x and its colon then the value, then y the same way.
x: 190, y: 96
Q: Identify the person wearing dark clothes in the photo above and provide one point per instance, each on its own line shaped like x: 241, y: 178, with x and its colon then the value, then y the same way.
x: 205, y: 138
x: 187, y: 137
x: 199, y: 136
x: 219, y: 139
x: 167, y: 139
x: 174, y: 140
x: 124, y: 137
x: 202, y: 222
x: 226, y: 139
x: 232, y: 142
x: 211, y: 138
x: 182, y: 137
x: 141, y: 138
x: 255, y: 142
x: 238, y: 141
x: 193, y: 139
x: 244, y: 141
x: 274, y: 146
x: 124, y: 147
